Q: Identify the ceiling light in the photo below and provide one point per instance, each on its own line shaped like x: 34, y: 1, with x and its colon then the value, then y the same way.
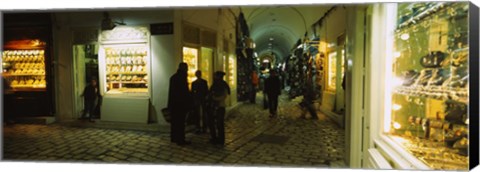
x: 271, y: 39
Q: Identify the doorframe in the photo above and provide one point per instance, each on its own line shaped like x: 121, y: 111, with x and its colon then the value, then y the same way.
x: 84, y: 39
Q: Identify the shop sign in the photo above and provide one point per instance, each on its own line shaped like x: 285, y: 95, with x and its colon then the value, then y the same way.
x: 161, y: 29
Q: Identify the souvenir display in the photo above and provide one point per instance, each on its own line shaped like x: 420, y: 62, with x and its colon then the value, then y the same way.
x: 245, y: 67
x: 25, y: 68
x: 297, y: 73
x: 122, y: 72
x: 429, y: 103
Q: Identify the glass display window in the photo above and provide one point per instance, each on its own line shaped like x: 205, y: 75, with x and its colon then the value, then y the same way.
x: 126, y: 69
x: 24, y: 69
x: 332, y: 71
x: 190, y: 56
x: 231, y: 71
x: 428, y: 81
x: 206, y: 64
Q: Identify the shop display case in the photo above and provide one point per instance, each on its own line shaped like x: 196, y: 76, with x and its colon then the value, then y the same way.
x: 27, y: 67
x: 24, y: 69
x: 125, y: 75
x: 206, y: 65
x: 190, y: 56
x: 332, y: 71
x: 124, y: 60
x: 126, y: 69
x: 231, y: 72
x: 427, y: 114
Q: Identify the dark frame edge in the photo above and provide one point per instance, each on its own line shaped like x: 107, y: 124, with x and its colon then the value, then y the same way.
x: 474, y: 85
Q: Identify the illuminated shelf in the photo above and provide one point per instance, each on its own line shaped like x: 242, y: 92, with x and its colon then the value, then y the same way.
x: 127, y: 73
x: 5, y: 74
x: 456, y: 94
x: 128, y: 82
x: 28, y: 86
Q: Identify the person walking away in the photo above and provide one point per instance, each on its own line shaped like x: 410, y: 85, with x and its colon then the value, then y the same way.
x: 307, y: 102
x: 218, y: 92
x: 90, y: 95
x: 200, y: 90
x: 273, y: 90
x: 179, y: 103
x: 253, y: 92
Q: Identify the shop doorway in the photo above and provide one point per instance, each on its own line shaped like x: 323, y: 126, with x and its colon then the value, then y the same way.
x: 85, y: 68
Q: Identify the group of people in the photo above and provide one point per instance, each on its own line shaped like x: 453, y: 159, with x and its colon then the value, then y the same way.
x: 206, y: 105
x: 272, y: 86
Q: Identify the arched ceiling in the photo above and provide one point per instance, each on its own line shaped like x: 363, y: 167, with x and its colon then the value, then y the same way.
x: 276, y: 29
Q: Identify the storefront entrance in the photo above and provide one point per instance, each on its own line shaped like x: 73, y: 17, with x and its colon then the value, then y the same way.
x: 85, y: 69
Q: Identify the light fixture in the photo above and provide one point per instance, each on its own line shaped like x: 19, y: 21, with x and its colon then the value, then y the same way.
x: 108, y: 23
x: 396, y: 125
x: 405, y: 36
x: 396, y: 107
x: 271, y: 39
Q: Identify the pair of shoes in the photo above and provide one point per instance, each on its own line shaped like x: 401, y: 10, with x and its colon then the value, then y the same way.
x: 183, y: 143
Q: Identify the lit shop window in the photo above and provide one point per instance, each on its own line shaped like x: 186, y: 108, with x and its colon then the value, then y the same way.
x: 332, y: 71
x: 190, y: 56
x: 427, y: 83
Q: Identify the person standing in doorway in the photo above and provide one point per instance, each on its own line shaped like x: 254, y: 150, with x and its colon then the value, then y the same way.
x: 218, y: 92
x: 179, y: 103
x: 90, y: 95
x: 200, y: 90
x: 273, y: 90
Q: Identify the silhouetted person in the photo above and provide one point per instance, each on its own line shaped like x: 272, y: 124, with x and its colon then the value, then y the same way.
x: 90, y: 95
x: 179, y: 103
x: 253, y: 92
x: 273, y: 90
x: 200, y: 91
x: 216, y: 120
x: 308, y: 99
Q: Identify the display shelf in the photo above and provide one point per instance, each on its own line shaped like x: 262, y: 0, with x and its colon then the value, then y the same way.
x: 428, y: 84
x: 126, y: 68
x: 129, y: 82
x: 434, y: 154
x: 20, y: 74
x: 28, y: 86
x: 127, y: 73
x: 439, y: 93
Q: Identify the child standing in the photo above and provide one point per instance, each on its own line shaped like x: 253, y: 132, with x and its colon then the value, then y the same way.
x: 90, y: 95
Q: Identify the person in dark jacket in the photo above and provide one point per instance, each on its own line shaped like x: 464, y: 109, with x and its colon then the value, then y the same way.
x: 179, y: 103
x: 273, y: 90
x: 200, y: 90
x: 90, y: 95
x: 216, y: 120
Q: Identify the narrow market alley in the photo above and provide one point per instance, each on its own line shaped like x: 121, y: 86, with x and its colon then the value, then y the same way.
x: 252, y: 139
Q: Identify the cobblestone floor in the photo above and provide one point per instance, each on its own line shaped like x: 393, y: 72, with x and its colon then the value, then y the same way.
x: 306, y: 142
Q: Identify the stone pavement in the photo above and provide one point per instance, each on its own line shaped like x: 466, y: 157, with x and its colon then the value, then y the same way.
x: 252, y: 139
